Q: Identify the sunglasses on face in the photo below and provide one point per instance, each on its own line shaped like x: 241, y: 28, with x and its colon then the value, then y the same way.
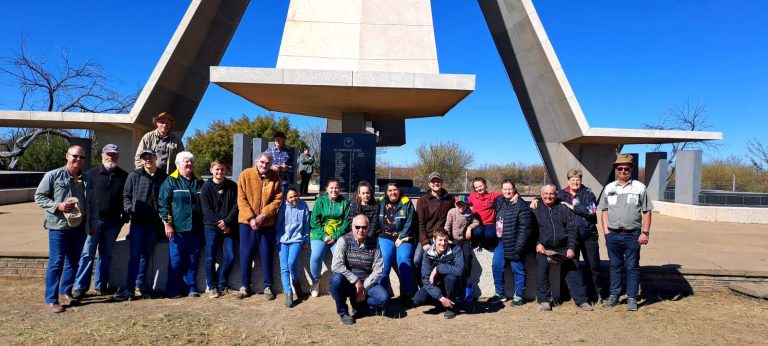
x: 77, y: 157
x: 623, y: 169
x: 360, y: 227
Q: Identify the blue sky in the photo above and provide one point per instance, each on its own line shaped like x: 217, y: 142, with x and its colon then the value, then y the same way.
x: 627, y: 61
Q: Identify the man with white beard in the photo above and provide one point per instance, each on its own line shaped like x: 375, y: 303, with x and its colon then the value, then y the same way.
x: 106, y: 205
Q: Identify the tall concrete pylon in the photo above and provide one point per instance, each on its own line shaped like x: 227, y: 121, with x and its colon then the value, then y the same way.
x: 558, y: 125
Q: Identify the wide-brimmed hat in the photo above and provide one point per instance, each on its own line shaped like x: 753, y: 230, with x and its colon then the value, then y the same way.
x: 624, y: 159
x: 163, y: 115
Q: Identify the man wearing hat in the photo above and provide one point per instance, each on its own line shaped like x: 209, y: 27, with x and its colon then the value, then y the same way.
x: 626, y: 223
x: 282, y: 160
x: 63, y: 197
x: 106, y: 207
x: 432, y: 210
x: 163, y: 142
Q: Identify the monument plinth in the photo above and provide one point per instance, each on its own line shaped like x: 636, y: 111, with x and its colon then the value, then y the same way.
x: 353, y: 62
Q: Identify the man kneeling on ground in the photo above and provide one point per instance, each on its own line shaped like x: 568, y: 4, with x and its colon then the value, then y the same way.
x: 441, y: 270
x: 357, y: 267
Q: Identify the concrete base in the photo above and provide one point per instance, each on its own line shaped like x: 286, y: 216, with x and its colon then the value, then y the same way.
x: 711, y: 213
x: 482, y: 277
x: 12, y: 196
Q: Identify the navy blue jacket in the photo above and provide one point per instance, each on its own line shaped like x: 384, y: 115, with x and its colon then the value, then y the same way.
x: 584, y: 206
x: 556, y: 230
x: 450, y: 263
x: 516, y: 228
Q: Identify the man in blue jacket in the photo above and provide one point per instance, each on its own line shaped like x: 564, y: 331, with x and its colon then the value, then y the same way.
x: 441, y: 270
x: 557, y: 245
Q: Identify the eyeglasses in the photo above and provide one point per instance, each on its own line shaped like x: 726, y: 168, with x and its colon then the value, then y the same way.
x: 360, y: 227
x: 77, y: 157
x: 623, y: 169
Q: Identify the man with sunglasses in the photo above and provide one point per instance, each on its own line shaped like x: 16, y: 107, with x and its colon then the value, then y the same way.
x: 62, y: 195
x: 163, y: 143
x: 626, y: 224
x: 357, y: 267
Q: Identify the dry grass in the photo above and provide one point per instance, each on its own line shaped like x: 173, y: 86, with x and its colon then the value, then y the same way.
x: 706, y: 318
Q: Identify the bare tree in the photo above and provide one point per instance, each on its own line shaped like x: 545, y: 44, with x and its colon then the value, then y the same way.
x: 758, y: 154
x: 688, y: 116
x: 447, y: 158
x: 62, y: 87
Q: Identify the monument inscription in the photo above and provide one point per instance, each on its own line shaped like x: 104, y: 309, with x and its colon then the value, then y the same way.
x: 350, y: 158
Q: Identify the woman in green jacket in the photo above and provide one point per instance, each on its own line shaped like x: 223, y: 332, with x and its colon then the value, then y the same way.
x: 329, y: 221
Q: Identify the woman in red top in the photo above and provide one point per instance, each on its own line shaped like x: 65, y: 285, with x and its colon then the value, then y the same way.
x: 482, y: 205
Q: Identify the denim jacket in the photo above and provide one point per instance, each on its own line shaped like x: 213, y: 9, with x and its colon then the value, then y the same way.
x: 54, y: 189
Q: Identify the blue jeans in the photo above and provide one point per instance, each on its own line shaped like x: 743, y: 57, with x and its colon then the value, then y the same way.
x: 318, y: 248
x: 624, y: 253
x: 289, y: 255
x: 215, y: 240
x: 104, y: 239
x: 342, y: 289
x: 485, y: 236
x: 264, y: 237
x: 404, y: 252
x: 141, y: 242
x: 184, y: 250
x: 64, y: 247
x: 497, y: 266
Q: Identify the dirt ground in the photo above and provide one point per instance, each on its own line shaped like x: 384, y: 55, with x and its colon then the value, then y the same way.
x: 705, y: 318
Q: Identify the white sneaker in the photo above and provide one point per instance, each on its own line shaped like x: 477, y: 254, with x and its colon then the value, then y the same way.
x: 315, y: 291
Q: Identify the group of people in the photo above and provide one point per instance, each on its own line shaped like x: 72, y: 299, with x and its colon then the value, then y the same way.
x: 430, y: 242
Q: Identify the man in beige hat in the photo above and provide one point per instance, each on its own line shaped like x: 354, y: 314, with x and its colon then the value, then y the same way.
x: 626, y: 224
x: 163, y: 142
x: 61, y: 193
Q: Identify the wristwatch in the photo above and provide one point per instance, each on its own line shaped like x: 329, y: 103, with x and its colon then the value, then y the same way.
x: 646, y: 232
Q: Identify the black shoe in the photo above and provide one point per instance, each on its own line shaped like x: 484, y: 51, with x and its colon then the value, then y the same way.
x: 347, y: 319
x: 124, y: 296
x: 449, y: 314
x: 78, y: 294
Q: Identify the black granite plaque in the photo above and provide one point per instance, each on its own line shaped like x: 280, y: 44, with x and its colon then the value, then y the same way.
x: 350, y: 158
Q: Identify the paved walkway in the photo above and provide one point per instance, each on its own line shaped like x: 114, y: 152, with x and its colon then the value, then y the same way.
x: 692, y: 245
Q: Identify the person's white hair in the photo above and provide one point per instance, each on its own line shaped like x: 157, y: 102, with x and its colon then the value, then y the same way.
x: 548, y: 185
x: 184, y: 155
x: 266, y: 155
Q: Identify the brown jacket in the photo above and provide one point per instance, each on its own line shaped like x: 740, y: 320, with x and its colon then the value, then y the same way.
x: 432, y: 212
x: 258, y: 196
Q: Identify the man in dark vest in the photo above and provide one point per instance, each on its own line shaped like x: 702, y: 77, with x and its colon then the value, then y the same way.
x: 357, y: 267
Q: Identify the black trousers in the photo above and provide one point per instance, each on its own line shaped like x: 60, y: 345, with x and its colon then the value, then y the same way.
x: 569, y: 270
x: 449, y: 285
x: 590, y: 255
x: 304, y: 185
